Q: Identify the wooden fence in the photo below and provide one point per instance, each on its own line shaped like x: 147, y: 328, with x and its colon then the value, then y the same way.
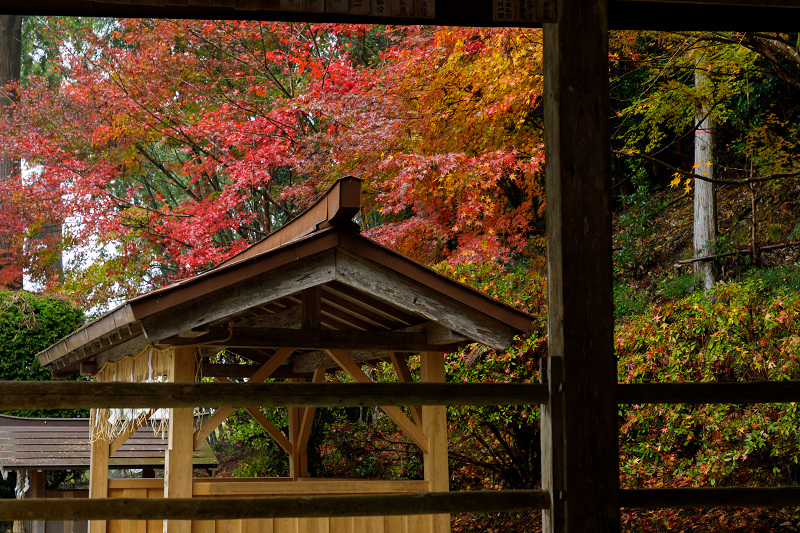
x: 412, y: 500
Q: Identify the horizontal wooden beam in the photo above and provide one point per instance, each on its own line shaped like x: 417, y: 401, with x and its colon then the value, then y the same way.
x: 711, y: 497
x: 677, y: 14
x: 84, y: 395
x: 310, y: 361
x: 310, y: 339
x: 476, y: 501
x: 697, y: 393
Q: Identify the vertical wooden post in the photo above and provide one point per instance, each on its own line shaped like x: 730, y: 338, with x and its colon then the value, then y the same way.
x: 579, y: 444
x: 298, y: 459
x: 98, y: 474
x: 37, y: 491
x: 434, y: 426
x: 178, y: 463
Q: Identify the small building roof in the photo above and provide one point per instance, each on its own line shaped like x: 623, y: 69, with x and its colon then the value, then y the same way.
x: 314, y: 284
x: 65, y: 444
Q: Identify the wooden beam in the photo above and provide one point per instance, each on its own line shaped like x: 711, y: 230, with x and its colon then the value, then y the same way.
x: 434, y: 425
x: 552, y: 425
x: 579, y: 259
x: 219, y: 416
x: 311, y: 308
x: 384, y: 283
x: 400, y: 365
x: 82, y: 395
x: 288, y: 318
x: 472, y: 501
x: 297, y: 467
x: 248, y: 289
x: 310, y: 361
x: 305, y: 339
x: 308, y: 416
x: 710, y: 497
x: 437, y: 334
x: 732, y: 393
x: 270, y: 428
x: 98, y: 475
x: 178, y: 461
x: 128, y: 433
x: 394, y: 412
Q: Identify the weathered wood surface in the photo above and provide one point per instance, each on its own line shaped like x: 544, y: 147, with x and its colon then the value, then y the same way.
x: 477, y: 501
x: 434, y: 425
x: 551, y: 425
x: 83, y: 395
x: 579, y: 260
x: 711, y: 497
x: 733, y: 393
x: 310, y: 361
x: 385, y: 284
x: 305, y: 339
x: 238, y: 297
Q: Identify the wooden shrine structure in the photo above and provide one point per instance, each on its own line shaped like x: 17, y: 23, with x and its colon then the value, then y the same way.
x: 313, y: 297
x: 579, y: 397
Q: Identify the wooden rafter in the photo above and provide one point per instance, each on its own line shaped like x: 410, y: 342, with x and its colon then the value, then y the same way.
x: 393, y: 412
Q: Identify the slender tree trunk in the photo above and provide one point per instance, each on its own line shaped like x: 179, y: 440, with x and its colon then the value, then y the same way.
x: 10, y: 64
x: 705, y: 201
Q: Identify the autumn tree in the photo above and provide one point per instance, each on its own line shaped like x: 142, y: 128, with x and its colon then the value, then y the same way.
x: 662, y: 113
x: 167, y: 146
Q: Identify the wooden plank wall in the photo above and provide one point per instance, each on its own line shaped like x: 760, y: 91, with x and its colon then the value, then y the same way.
x: 154, y: 488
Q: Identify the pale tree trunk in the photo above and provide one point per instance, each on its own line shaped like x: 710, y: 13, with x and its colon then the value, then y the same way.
x: 705, y: 200
x: 10, y: 64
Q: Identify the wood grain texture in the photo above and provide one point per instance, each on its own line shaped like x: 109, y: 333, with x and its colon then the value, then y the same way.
x: 393, y: 288
x: 434, y: 425
x: 579, y: 248
x: 259, y: 290
x: 178, y: 463
x: 273, y: 507
x: 84, y: 395
x: 98, y: 478
x: 311, y: 339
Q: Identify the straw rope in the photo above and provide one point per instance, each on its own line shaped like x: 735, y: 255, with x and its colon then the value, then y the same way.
x: 151, y: 365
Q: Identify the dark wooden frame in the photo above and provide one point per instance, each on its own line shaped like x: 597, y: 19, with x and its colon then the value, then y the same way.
x: 579, y: 419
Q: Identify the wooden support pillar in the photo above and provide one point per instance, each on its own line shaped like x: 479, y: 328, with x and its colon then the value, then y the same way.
x: 298, y: 459
x: 98, y: 474
x: 178, y: 463
x: 434, y: 426
x: 579, y: 435
x: 37, y: 490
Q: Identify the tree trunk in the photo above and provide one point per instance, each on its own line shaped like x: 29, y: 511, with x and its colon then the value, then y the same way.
x: 705, y: 202
x: 10, y: 64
